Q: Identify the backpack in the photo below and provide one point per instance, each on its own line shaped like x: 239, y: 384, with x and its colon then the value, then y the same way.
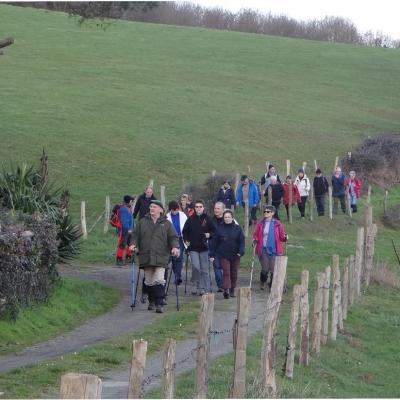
x: 114, y: 219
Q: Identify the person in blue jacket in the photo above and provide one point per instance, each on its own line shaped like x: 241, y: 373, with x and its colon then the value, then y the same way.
x: 248, y: 190
x: 124, y: 230
x: 338, y: 190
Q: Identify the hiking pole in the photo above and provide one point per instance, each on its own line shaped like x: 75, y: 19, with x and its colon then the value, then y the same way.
x: 285, y: 288
x: 177, y: 295
x: 209, y: 273
x: 252, y: 269
x: 169, y: 280
x: 186, y: 268
x: 134, y: 285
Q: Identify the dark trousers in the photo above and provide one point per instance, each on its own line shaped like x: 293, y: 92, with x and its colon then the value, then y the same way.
x: 276, y: 204
x: 177, y: 262
x: 230, y: 268
x: 218, y: 271
x: 336, y: 200
x: 302, y: 206
x: 320, y: 202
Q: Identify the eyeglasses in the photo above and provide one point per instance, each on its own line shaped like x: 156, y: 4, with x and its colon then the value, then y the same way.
x: 268, y: 211
x: 198, y: 206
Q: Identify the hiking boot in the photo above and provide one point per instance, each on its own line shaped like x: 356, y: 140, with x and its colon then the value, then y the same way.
x: 164, y: 302
x: 179, y: 281
x: 194, y: 292
x: 220, y: 290
x: 144, y: 298
x: 232, y: 292
x: 119, y: 262
x: 262, y: 285
x: 159, y: 309
x: 151, y: 306
x: 226, y: 294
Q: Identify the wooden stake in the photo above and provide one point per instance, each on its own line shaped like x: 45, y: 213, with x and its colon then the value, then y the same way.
x: 213, y: 173
x: 246, y: 218
x: 269, y: 195
x: 237, y: 181
x: 291, y: 344
x: 369, y: 252
x: 203, y: 347
x: 317, y: 320
x: 335, y: 296
x: 311, y: 203
x: 304, y: 166
x: 162, y: 194
x: 139, y: 351
x: 169, y: 369
x: 325, y: 306
x: 151, y: 183
x: 80, y: 386
x: 83, y: 220
x: 107, y: 215
x: 385, y: 203
x: 315, y: 165
x: 239, y: 375
x: 369, y: 195
x: 358, y: 266
x: 336, y: 163
x: 352, y: 279
x: 330, y: 202
x: 287, y: 167
x: 304, y: 315
x: 268, y: 352
x: 345, y: 288
x: 290, y: 202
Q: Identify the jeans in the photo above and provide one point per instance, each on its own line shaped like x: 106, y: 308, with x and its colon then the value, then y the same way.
x: 218, y: 271
x: 177, y: 262
x: 200, y: 271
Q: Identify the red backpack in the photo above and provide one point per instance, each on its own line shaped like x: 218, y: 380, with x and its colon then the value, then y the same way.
x: 114, y: 219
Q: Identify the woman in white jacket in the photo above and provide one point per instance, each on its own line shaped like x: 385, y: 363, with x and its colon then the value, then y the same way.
x: 303, y: 185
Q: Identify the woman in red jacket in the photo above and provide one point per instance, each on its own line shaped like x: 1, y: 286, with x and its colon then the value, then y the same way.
x: 353, y: 189
x: 286, y: 191
x: 267, y: 238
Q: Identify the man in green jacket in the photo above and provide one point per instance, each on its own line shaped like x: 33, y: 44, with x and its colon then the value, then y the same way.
x: 156, y: 240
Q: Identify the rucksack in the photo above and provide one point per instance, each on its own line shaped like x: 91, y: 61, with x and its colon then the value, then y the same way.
x: 114, y: 219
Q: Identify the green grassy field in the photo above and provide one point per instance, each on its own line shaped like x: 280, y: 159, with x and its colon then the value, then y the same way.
x: 68, y: 308
x: 115, y: 108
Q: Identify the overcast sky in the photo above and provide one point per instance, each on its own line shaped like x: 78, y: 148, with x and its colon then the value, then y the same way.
x: 376, y: 15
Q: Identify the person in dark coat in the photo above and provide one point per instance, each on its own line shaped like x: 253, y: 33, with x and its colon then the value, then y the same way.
x: 321, y: 186
x: 156, y: 240
x: 196, y: 233
x: 142, y: 205
x: 226, y: 195
x: 228, y: 244
x: 277, y: 192
x: 338, y: 190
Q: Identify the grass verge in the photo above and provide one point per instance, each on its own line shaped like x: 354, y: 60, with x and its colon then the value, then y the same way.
x: 69, y: 306
x: 43, y: 379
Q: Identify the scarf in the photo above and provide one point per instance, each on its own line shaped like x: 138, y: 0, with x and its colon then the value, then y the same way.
x: 271, y: 244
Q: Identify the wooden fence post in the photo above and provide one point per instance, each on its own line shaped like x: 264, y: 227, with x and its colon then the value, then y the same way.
x: 315, y: 165
x: 287, y: 167
x: 237, y: 180
x: 304, y: 315
x: 348, y: 205
x: 162, y: 194
x: 290, y: 202
x: 311, y: 203
x: 291, y: 344
x: 213, y: 173
x: 345, y: 288
x: 369, y: 195
x: 107, y: 215
x: 269, y: 189
x: 368, y: 232
x: 325, y: 306
x: 169, y: 369
x: 151, y: 183
x: 139, y: 351
x: 203, y: 346
x: 83, y: 220
x: 352, y: 279
x: 359, y: 260
x: 369, y: 252
x: 268, y: 352
x: 239, y: 374
x: 336, y: 163
x: 80, y: 386
x: 330, y: 202
x: 335, y: 296
x: 385, y: 199
x: 317, y: 320
x: 246, y: 218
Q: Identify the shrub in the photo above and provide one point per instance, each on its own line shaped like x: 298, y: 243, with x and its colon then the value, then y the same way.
x: 376, y: 160
x: 28, y: 257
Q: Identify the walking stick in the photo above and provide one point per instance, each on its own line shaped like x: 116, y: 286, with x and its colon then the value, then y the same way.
x: 169, y: 280
x: 177, y: 296
x: 134, y: 288
x: 186, y: 268
x: 251, y: 273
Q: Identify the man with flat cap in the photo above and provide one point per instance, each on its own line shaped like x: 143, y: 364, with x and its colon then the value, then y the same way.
x: 156, y: 240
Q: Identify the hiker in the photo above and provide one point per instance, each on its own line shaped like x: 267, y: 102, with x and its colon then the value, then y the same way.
x: 227, y: 195
x: 143, y: 203
x: 178, y: 219
x: 303, y: 184
x: 228, y: 244
x: 295, y: 194
x: 124, y: 227
x: 277, y: 192
x: 338, y: 190
x: 248, y: 190
x: 218, y: 220
x: 320, y: 185
x: 267, y: 238
x: 353, y: 189
x: 196, y: 233
x: 264, y: 181
x: 185, y: 205
x: 156, y: 240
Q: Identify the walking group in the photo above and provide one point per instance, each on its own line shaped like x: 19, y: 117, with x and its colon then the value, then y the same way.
x: 161, y: 237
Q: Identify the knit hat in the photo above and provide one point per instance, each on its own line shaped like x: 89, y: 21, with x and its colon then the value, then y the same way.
x: 301, y: 170
x: 157, y: 203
